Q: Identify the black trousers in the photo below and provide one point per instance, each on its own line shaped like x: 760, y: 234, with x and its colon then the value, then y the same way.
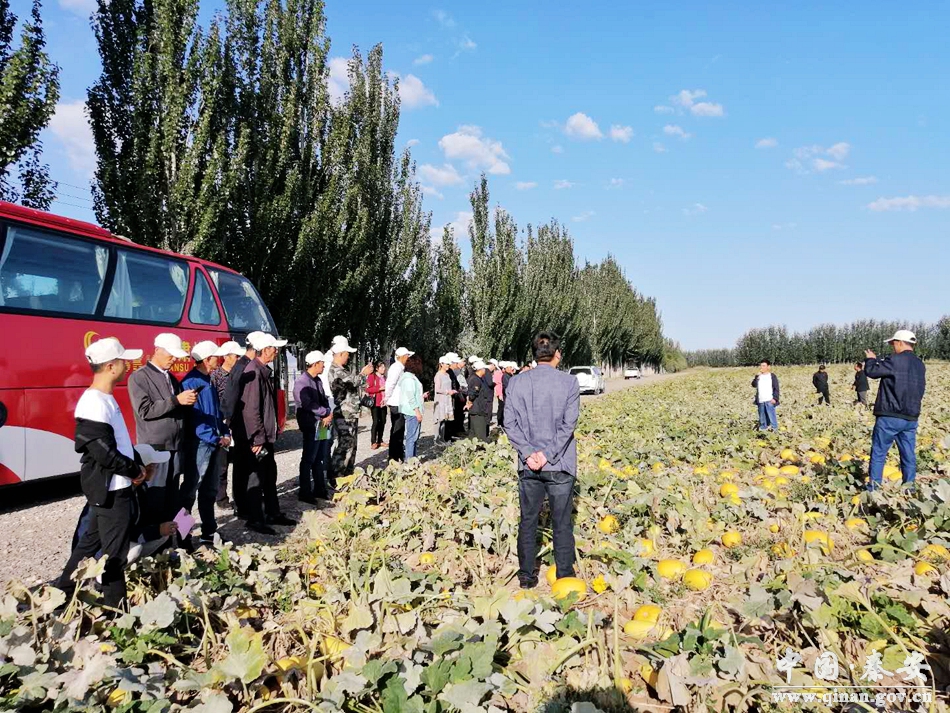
x: 109, y: 531
x: 397, y: 434
x: 379, y: 424
x: 501, y: 413
x: 261, y: 496
x: 241, y: 463
x: 558, y: 487
x: 457, y: 428
x: 479, y: 424
x: 173, y: 502
x: 824, y: 397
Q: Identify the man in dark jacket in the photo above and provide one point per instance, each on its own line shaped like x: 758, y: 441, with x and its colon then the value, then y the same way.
x: 480, y: 398
x: 820, y: 381
x: 161, y: 405
x: 903, y: 381
x: 767, y: 396
x: 231, y: 408
x: 861, y: 385
x: 110, y: 469
x: 258, y: 435
x: 314, y: 418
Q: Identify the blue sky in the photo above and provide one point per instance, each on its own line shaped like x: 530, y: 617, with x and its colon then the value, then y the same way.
x: 747, y: 166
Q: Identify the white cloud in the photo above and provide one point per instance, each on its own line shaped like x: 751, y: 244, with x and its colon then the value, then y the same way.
x: 616, y: 182
x: 674, y: 130
x: 70, y: 126
x: 658, y: 147
x: 423, y: 59
x: 431, y: 191
x: 412, y: 142
x: 525, y: 185
x: 621, y: 133
x: 83, y: 8
x: 910, y: 203
x: 860, y: 181
x: 562, y: 184
x: 687, y: 99
x: 839, y: 151
x: 767, y: 143
x: 695, y: 209
x: 557, y: 148
x: 823, y: 164
x: 783, y: 226
x: 581, y: 126
x: 466, y: 43
x: 478, y: 152
x: 660, y: 109
x: 414, y: 93
x: 446, y: 175
x: 443, y: 18
x: 586, y: 215
x: 339, y: 83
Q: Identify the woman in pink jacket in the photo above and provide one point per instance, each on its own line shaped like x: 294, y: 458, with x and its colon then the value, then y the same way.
x: 376, y: 387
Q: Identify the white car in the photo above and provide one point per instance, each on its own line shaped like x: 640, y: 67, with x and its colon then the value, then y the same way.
x: 590, y: 379
x: 631, y: 373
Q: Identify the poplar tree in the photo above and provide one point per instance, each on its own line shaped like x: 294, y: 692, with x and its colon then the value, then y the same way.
x: 448, y: 300
x: 29, y: 90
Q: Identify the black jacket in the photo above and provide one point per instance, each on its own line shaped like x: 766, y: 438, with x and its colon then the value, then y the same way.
x: 775, y: 389
x: 861, y: 381
x: 232, y: 394
x: 481, y: 394
x: 820, y: 381
x: 903, y: 380
x: 100, y: 460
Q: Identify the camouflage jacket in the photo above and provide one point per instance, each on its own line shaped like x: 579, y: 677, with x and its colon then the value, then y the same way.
x: 346, y: 387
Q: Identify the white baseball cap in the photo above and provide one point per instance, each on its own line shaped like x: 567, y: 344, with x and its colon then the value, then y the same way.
x: 315, y: 356
x: 903, y: 335
x: 534, y: 364
x: 231, y: 348
x: 109, y: 349
x: 341, y: 344
x: 445, y: 359
x: 149, y: 455
x: 402, y: 351
x: 453, y: 357
x: 261, y: 340
x: 479, y: 365
x: 494, y: 361
x: 171, y: 343
x: 472, y: 359
x: 205, y: 349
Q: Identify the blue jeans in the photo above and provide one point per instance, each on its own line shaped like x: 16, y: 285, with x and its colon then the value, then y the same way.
x: 887, y: 430
x: 201, y: 481
x: 314, y: 460
x: 767, y: 417
x: 413, y: 428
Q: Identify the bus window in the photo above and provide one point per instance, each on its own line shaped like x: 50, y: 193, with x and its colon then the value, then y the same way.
x: 148, y: 288
x: 242, y: 305
x: 203, y: 308
x: 48, y: 273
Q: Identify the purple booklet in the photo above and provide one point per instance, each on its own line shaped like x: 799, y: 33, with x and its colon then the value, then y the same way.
x: 185, y: 522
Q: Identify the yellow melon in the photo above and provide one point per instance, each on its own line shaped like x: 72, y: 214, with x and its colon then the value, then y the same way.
x: 773, y: 528
x: 704, y: 556
x: 566, y: 586
x: 935, y: 552
x: 789, y: 470
x: 670, y: 569
x: 727, y: 490
x: 426, y: 559
x: 864, y: 556
x: 648, y: 612
x: 892, y: 473
x: 647, y: 547
x: 789, y: 455
x: 697, y: 579
x: 731, y: 538
x: 924, y: 568
x: 701, y: 470
x: 551, y: 575
x: 638, y: 630
x: 771, y: 471
x: 817, y: 459
x: 855, y: 523
x: 608, y: 525
x: 819, y: 537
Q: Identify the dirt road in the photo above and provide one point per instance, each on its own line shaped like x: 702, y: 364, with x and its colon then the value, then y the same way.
x: 36, y: 524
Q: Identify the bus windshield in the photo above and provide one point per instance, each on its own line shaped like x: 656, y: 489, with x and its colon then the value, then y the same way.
x: 242, y: 305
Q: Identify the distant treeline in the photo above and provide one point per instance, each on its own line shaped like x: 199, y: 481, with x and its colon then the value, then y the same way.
x: 826, y: 343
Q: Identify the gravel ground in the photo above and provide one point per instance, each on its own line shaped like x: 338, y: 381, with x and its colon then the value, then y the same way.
x: 37, y: 521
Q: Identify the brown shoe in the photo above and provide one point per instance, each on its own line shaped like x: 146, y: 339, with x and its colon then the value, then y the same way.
x: 384, y: 444
x: 374, y: 446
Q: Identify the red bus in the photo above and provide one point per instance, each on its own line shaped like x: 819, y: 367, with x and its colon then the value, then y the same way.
x: 65, y: 283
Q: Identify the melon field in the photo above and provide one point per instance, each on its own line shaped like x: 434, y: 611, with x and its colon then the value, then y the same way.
x: 714, y: 565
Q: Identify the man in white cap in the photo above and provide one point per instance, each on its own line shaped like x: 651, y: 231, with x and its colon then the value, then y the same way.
x: 258, y: 435
x: 480, y: 393
x: 231, y: 409
x: 494, y: 374
x: 345, y: 386
x: 109, y: 470
x: 903, y: 381
x: 231, y: 352
x: 206, y: 438
x: 397, y: 422
x: 460, y: 384
x: 160, y: 405
x: 314, y: 418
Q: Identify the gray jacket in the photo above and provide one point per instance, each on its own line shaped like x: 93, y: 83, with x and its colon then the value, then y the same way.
x: 158, y: 415
x: 541, y: 411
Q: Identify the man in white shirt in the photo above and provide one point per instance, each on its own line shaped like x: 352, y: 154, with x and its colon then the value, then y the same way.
x: 766, y: 388
x: 397, y: 428
x: 110, y: 468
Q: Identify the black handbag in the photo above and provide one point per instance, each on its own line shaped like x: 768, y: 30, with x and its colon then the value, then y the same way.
x: 367, y: 401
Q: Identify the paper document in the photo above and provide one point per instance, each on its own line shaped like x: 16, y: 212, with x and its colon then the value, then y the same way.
x: 185, y: 522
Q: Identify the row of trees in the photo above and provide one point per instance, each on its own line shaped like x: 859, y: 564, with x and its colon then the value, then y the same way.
x: 224, y: 142
x: 825, y: 343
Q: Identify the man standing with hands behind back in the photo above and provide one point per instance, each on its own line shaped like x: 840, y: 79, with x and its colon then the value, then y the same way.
x: 397, y: 428
x: 903, y: 381
x: 767, y: 395
x: 541, y: 411
x: 160, y: 407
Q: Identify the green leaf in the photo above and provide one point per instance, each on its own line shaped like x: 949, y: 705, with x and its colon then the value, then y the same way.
x: 758, y: 604
x: 446, y: 642
x: 437, y: 675
x: 360, y: 617
x: 246, y: 658
x: 395, y: 700
x: 465, y: 696
x: 376, y: 669
x: 732, y: 661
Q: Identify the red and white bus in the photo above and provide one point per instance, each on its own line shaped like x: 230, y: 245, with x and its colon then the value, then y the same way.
x: 65, y: 283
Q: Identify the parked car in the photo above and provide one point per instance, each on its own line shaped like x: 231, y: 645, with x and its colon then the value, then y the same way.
x: 590, y: 379
x: 631, y: 372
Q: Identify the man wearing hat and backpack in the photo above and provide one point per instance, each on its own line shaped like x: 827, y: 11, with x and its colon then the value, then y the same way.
x: 110, y: 469
x: 903, y: 381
